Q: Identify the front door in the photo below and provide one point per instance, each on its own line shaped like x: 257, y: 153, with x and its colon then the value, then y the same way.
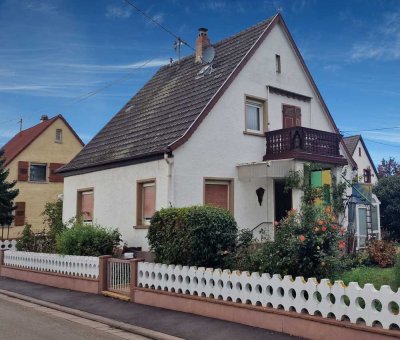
x: 282, y: 200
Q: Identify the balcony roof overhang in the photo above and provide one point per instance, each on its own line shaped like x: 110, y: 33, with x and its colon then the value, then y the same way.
x: 274, y: 169
x: 310, y: 157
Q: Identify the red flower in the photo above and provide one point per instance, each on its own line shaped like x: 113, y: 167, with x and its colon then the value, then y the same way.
x: 320, y: 222
x: 276, y: 223
x: 324, y: 228
x: 342, y: 230
x: 334, y: 227
x: 302, y: 238
x: 342, y: 244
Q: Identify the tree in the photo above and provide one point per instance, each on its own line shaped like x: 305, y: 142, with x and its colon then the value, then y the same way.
x: 7, y: 194
x: 388, y: 168
x: 388, y: 192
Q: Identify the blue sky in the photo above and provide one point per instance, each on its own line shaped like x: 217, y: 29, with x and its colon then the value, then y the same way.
x: 54, y: 52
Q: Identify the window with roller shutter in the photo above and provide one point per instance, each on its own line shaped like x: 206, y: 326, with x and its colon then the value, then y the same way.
x: 86, y: 205
x: 19, y: 217
x: 219, y: 193
x: 146, y: 202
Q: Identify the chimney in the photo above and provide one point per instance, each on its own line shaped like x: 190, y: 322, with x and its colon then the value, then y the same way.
x: 43, y: 118
x: 202, y: 43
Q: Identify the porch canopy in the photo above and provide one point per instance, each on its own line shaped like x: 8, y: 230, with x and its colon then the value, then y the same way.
x: 273, y: 169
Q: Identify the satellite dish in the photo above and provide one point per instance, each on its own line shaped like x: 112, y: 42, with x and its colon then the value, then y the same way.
x: 208, y: 55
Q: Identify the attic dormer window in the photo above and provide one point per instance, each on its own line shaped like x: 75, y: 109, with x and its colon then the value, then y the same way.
x: 58, y: 136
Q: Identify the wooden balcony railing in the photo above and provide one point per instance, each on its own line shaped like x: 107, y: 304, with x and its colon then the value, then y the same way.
x: 304, y: 143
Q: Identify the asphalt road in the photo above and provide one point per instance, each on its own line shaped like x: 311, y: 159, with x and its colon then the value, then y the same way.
x: 18, y: 322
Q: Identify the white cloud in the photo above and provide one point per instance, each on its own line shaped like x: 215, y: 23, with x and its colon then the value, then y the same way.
x: 115, y: 68
x: 118, y: 12
x: 382, y: 43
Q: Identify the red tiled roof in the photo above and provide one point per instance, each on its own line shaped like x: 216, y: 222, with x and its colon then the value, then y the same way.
x: 24, y: 138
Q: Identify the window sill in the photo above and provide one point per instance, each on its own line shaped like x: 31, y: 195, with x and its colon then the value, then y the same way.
x: 141, y: 226
x: 258, y: 134
x: 38, y: 182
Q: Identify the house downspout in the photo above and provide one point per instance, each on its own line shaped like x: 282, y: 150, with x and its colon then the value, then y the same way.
x: 170, y: 187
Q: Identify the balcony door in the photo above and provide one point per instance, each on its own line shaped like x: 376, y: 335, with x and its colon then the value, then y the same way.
x: 291, y: 116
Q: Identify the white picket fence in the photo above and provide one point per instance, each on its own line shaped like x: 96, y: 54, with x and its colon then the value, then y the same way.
x: 84, y: 266
x: 8, y: 244
x: 378, y: 308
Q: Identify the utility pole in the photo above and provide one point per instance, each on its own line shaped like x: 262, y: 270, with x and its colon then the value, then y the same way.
x: 20, y: 124
x: 177, y: 45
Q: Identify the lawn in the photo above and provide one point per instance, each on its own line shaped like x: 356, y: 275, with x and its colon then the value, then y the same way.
x: 375, y: 275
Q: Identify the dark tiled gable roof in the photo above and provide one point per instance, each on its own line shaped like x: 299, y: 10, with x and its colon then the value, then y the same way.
x: 351, y: 143
x: 164, y: 109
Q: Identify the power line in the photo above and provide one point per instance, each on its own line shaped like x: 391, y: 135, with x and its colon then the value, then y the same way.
x: 158, y: 24
x: 377, y: 142
x: 376, y: 129
x: 9, y: 121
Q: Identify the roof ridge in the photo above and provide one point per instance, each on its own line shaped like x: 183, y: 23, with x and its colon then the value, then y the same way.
x: 219, y: 42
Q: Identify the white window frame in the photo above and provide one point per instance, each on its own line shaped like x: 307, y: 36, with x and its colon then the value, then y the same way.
x: 260, y: 106
x: 146, y: 222
x: 45, y: 176
x: 61, y: 136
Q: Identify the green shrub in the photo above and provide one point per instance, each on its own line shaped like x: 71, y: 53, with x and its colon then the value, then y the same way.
x: 396, y: 270
x: 27, y: 240
x: 87, y: 240
x: 382, y: 253
x: 195, y: 236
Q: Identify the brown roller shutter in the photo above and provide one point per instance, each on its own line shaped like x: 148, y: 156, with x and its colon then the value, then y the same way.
x: 55, y: 177
x: 23, y: 170
x: 217, y: 195
x: 19, y: 219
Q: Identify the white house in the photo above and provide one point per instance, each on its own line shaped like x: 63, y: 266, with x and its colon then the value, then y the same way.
x: 363, y: 205
x: 223, y: 132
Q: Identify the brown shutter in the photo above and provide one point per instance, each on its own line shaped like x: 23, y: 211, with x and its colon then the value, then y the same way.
x: 55, y: 177
x: 23, y: 170
x: 297, y: 113
x: 291, y: 116
x: 19, y: 218
x: 217, y: 195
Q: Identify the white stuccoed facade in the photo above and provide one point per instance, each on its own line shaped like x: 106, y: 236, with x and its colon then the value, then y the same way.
x: 215, y: 150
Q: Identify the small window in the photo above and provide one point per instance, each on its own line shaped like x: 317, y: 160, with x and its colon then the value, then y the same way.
x: 86, y: 205
x: 37, y: 172
x: 359, y: 151
x: 367, y: 175
x: 58, y: 135
x: 254, y: 116
x: 278, y: 63
x: 219, y: 194
x: 146, y: 202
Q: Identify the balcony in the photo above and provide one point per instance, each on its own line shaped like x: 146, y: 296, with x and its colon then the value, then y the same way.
x: 305, y: 144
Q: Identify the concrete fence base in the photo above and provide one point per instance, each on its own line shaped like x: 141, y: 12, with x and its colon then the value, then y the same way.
x: 305, y: 326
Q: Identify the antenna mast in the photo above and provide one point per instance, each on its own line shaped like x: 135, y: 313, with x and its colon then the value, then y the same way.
x: 177, y: 45
x: 20, y: 124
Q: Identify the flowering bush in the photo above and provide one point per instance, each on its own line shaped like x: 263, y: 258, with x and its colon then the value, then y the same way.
x: 306, y: 244
x: 382, y: 253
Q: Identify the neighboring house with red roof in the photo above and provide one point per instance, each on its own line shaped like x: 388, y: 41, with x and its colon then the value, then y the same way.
x: 224, y: 132
x: 32, y: 157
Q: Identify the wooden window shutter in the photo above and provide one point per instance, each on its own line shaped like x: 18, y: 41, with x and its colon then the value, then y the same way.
x: 297, y: 113
x: 291, y: 116
x: 23, y: 171
x: 19, y: 218
x: 55, y: 177
x: 217, y: 195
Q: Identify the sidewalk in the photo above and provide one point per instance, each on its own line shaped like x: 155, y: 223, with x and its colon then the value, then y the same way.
x: 183, y: 325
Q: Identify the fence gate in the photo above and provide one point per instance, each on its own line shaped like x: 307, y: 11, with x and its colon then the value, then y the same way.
x: 118, y: 276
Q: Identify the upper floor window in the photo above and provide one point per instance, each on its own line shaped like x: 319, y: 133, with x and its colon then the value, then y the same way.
x: 37, y: 172
x: 58, y: 135
x: 254, y: 116
x: 291, y: 116
x: 367, y: 175
x: 86, y: 205
x: 278, y: 63
x: 359, y: 151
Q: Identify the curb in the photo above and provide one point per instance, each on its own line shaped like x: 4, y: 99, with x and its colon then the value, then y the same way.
x: 109, y: 322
